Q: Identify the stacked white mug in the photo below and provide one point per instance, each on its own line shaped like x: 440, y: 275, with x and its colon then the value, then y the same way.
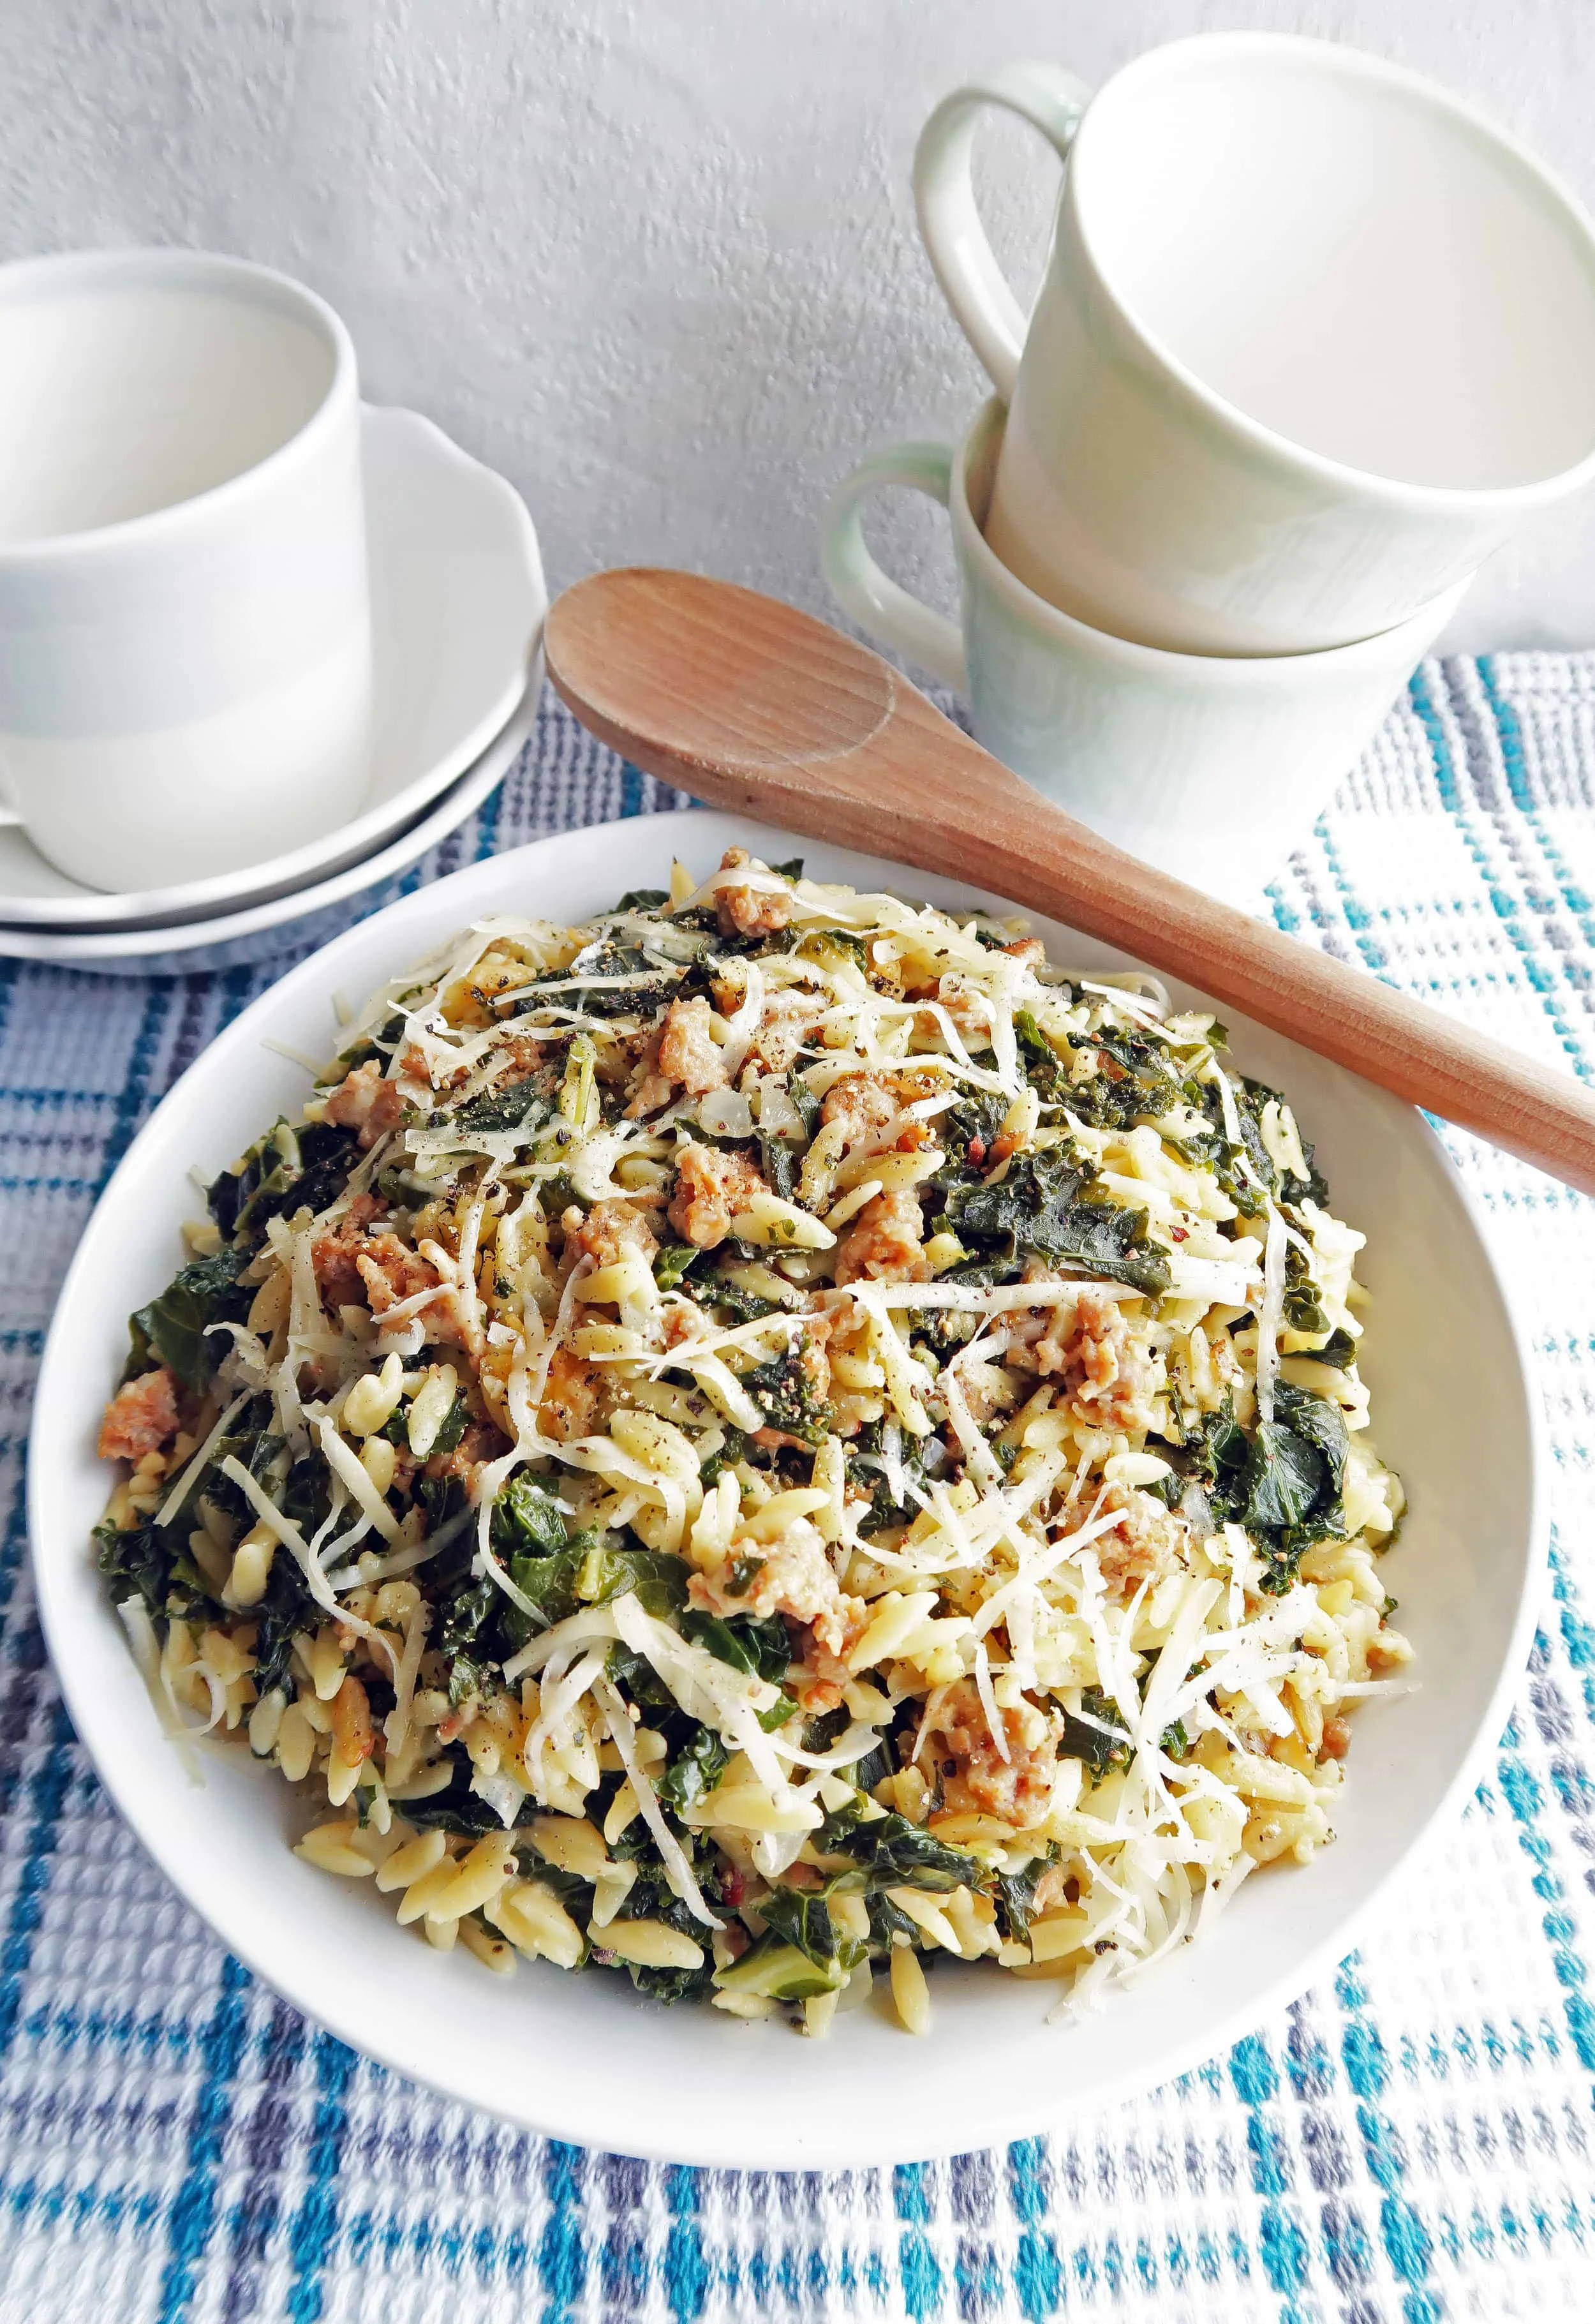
x: 1313, y: 340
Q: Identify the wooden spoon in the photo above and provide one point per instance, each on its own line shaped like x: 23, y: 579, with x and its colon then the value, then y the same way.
x: 748, y: 704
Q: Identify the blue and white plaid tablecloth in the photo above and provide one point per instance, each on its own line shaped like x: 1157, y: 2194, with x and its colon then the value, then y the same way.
x: 1414, y: 2140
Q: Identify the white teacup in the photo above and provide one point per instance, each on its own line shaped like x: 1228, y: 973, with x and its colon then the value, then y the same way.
x: 185, y: 636
x: 1313, y: 337
x: 1211, y: 766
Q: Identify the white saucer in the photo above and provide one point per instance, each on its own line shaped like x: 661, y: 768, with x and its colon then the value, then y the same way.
x: 255, y: 930
x: 458, y: 603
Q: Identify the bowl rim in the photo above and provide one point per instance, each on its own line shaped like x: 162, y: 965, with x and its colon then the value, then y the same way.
x: 573, y: 2115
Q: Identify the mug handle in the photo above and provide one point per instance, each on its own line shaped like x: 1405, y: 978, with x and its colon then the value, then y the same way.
x: 1052, y: 101
x: 876, y: 601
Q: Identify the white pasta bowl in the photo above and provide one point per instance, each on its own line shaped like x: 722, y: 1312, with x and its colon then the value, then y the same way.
x: 586, y: 2059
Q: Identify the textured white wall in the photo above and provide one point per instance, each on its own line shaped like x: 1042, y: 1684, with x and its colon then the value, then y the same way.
x: 657, y: 262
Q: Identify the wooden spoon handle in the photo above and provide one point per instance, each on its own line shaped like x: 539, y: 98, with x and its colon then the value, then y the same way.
x: 749, y: 704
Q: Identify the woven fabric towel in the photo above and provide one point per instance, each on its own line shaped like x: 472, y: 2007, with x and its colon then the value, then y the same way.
x: 1412, y: 2141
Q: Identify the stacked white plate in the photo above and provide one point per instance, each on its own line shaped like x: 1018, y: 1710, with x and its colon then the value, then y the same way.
x: 458, y: 607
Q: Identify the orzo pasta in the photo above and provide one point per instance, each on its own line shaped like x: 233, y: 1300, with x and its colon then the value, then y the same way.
x: 770, y: 1437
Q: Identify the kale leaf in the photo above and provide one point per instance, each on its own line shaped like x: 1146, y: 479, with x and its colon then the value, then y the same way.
x: 786, y: 1394
x: 607, y: 958
x: 669, y: 1985
x: 1288, y: 1185
x: 396, y: 1427
x: 1285, y: 1476
x: 1044, y: 1070
x: 442, y: 1497
x: 458, y: 1809
x: 1082, y: 1740
x: 464, y: 1614
x: 760, y: 1647
x: 888, y: 1920
x: 138, y: 1561
x: 741, y: 1305
x: 1319, y: 1421
x: 1014, y: 1897
x: 257, y: 1447
x: 1043, y: 1205
x: 465, y: 1638
x: 172, y: 1329
x: 974, y: 1123
x: 843, y: 943
x: 1135, y: 1077
x: 1101, y: 1751
x: 1283, y: 1484
x: 714, y: 1465
x: 327, y: 1155
x: 289, y: 1170
x: 658, y: 1578
x: 590, y: 1572
x: 526, y: 1519
x: 805, y: 1099
x: 523, y: 1106
x: 1212, y: 1147
x: 894, y: 1851
x: 695, y: 1770
x: 673, y: 1263
x: 903, y: 1853
x: 944, y: 1329
x: 779, y: 1159
x: 1302, y: 1309
x: 283, y: 1611
x: 1217, y: 1455
x: 481, y: 1625
x: 804, y: 1920
x: 652, y: 1899
x: 636, y: 1677
x: 921, y: 1460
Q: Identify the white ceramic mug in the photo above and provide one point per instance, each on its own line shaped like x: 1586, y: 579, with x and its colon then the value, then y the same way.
x: 1211, y: 766
x: 184, y: 636
x: 1312, y: 338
